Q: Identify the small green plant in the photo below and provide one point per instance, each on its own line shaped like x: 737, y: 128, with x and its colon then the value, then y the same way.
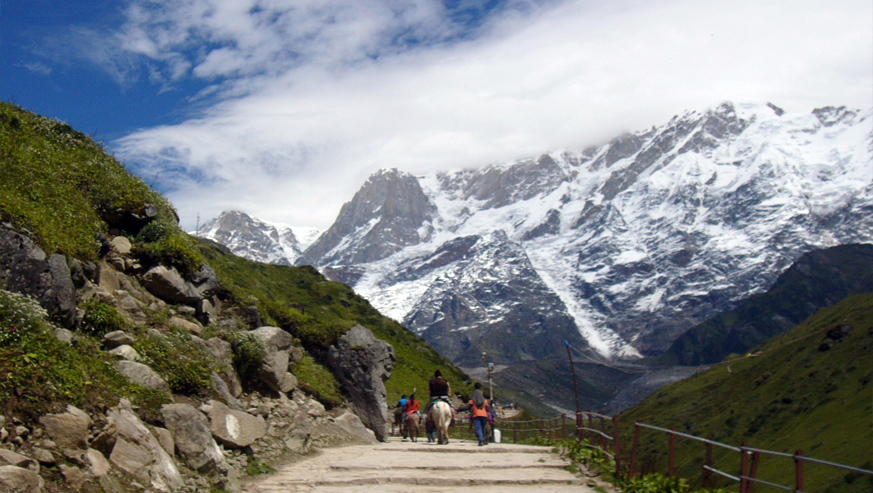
x: 248, y: 352
x: 185, y: 367
x: 101, y: 318
x: 657, y: 483
x: 18, y: 314
x: 255, y: 467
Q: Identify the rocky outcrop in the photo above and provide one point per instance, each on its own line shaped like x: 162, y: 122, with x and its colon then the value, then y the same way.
x: 194, y: 441
x: 69, y: 430
x: 274, y: 371
x: 139, y: 453
x: 233, y: 428
x: 18, y: 480
x: 362, y: 364
x: 26, y: 268
x: 142, y: 374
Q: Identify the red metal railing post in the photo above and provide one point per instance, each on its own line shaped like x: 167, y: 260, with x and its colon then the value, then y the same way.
x: 616, y: 446
x: 707, y: 473
x: 602, y: 440
x: 672, y: 469
x: 633, y: 459
x: 744, y: 467
x: 798, y: 470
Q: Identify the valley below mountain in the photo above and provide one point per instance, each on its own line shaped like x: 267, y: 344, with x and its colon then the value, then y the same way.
x: 614, y: 251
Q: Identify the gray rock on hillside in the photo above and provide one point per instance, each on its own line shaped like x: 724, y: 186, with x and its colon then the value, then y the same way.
x: 141, y: 374
x: 25, y: 268
x: 362, y: 364
x: 233, y: 428
x: 194, y: 442
x: 274, y: 371
x: 69, y: 430
x: 19, y: 480
x: 169, y: 285
x: 139, y: 453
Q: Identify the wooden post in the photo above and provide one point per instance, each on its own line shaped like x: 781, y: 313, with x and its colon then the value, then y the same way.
x: 563, y: 426
x: 672, y: 469
x: 602, y: 440
x: 753, y: 473
x: 707, y: 474
x: 580, y: 421
x: 616, y: 446
x: 798, y: 470
x: 633, y: 460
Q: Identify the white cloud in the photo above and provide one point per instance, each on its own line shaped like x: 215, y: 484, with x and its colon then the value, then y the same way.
x: 312, y: 97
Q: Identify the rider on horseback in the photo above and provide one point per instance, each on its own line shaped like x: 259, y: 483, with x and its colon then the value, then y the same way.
x: 439, y: 390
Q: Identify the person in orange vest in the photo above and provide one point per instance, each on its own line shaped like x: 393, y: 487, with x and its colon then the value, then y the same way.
x: 479, y: 407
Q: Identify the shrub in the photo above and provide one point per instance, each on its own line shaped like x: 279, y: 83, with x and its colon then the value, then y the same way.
x: 101, y: 318
x: 248, y: 352
x: 185, y: 367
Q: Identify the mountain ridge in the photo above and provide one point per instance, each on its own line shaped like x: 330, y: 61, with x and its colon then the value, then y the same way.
x: 635, y: 241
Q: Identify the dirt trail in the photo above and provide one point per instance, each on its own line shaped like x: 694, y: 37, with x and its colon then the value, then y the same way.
x: 397, y: 466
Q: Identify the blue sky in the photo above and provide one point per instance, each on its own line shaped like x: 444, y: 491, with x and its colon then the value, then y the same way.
x: 282, y: 108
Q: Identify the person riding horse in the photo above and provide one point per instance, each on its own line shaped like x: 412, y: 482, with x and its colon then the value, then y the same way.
x: 439, y: 390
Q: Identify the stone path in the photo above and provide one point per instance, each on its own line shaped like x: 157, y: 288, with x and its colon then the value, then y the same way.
x: 398, y: 466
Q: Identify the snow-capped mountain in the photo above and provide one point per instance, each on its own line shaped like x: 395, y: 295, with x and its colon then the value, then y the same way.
x: 617, y: 249
x: 624, y: 245
x: 256, y: 239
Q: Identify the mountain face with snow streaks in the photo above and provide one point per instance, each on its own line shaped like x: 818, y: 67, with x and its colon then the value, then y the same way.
x: 617, y: 249
x: 634, y: 241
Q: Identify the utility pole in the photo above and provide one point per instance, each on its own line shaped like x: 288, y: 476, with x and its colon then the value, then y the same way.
x: 575, y: 386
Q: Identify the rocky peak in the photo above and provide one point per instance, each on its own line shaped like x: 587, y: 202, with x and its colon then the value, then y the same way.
x: 388, y: 213
x: 253, y: 238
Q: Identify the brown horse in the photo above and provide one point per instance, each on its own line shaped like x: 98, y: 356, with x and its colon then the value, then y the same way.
x: 413, y: 423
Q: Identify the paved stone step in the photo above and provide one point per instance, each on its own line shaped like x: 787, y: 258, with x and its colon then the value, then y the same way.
x: 402, y: 466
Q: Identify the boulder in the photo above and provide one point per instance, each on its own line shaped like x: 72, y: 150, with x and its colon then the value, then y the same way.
x: 25, y: 268
x: 141, y: 374
x: 138, y: 453
x: 117, y: 338
x: 18, y: 480
x: 272, y: 372
x: 222, y: 389
x: 97, y: 463
x: 352, y: 425
x: 169, y: 285
x: 233, y: 428
x: 10, y: 458
x: 69, y: 430
x: 121, y: 245
x: 194, y: 442
x: 126, y: 352
x: 362, y: 364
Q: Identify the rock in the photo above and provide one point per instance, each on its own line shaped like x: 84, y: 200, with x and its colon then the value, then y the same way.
x: 165, y: 438
x: 252, y: 316
x: 168, y: 285
x: 26, y: 268
x: 187, y: 325
x: 73, y: 476
x: 362, y: 364
x: 97, y: 463
x: 10, y: 458
x: 272, y: 372
x: 69, y: 430
x: 234, y: 429
x: 288, y: 383
x: 138, y: 453
x: 44, y: 456
x: 18, y: 480
x: 117, y: 338
x: 194, y: 442
x: 64, y: 335
x: 126, y: 352
x: 222, y: 389
x: 121, y: 245
x: 130, y: 304
x: 352, y: 425
x: 206, y: 282
x: 142, y: 374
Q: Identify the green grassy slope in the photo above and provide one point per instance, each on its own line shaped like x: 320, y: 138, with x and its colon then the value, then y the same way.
x: 806, y: 389
x: 317, y: 311
x: 61, y: 186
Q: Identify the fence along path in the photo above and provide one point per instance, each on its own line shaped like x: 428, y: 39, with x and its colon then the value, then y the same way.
x: 397, y: 466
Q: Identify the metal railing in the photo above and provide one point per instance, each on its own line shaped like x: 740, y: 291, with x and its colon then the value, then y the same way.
x: 593, y: 430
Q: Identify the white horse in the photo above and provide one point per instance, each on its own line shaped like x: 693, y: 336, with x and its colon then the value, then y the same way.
x: 441, y: 414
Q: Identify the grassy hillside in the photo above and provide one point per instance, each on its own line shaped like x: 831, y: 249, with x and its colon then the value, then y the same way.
x: 808, y: 389
x: 62, y: 186
x: 818, y: 279
x: 317, y: 311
